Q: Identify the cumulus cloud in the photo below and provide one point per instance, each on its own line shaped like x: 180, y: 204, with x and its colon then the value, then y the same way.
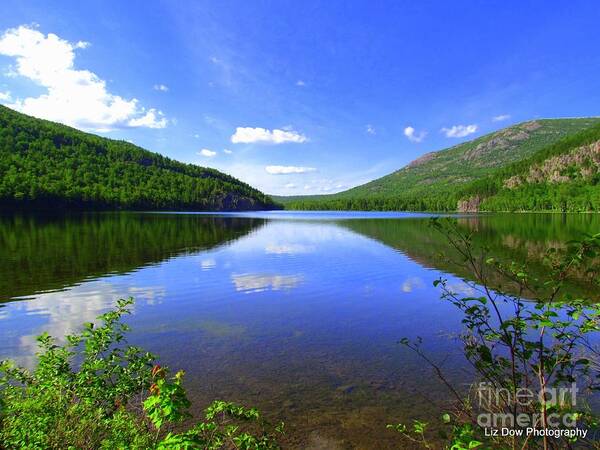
x: 287, y: 170
x: 227, y: 151
x: 300, y: 83
x: 207, y: 152
x: 290, y: 186
x: 458, y: 131
x: 413, y: 135
x: 161, y: 87
x: 82, y: 44
x: 370, y: 129
x: 152, y: 119
x: 249, y: 135
x: 501, y: 118
x: 5, y: 96
x: 75, y: 97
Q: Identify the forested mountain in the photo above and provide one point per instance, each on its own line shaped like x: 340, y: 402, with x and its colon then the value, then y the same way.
x: 48, y: 165
x: 564, y: 176
x: 549, y: 164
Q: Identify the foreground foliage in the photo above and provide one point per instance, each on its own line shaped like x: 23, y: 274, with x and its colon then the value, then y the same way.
x: 96, y: 392
x: 518, y: 347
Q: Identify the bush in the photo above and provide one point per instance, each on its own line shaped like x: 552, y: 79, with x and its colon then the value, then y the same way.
x: 528, y: 342
x: 96, y: 392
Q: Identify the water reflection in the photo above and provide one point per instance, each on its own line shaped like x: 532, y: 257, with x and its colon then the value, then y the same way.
x: 49, y: 252
x: 523, y: 238
x: 297, y: 315
x: 412, y: 283
x: 63, y: 312
x: 260, y: 282
x: 288, y: 248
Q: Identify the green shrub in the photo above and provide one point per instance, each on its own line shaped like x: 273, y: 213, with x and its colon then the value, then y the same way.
x: 523, y: 335
x: 97, y: 392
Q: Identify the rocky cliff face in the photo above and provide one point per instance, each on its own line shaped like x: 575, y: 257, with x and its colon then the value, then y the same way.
x: 236, y: 202
x: 487, y: 153
x: 469, y: 205
x: 581, y: 163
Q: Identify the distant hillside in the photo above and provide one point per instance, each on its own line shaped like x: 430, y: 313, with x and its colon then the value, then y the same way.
x: 48, y: 165
x: 461, y: 177
x: 564, y: 176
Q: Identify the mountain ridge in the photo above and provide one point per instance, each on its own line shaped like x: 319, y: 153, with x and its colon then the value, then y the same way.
x: 44, y: 165
x: 436, y: 181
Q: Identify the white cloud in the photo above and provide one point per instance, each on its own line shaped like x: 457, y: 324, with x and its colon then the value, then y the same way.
x: 5, y: 96
x: 300, y: 83
x: 501, y: 118
x: 74, y: 97
x: 227, y: 151
x: 413, y: 135
x: 458, y: 131
x: 370, y: 129
x: 323, y: 185
x: 249, y: 135
x: 286, y: 170
x: 206, y: 152
x: 290, y: 186
x: 152, y: 119
x: 225, y: 69
x: 161, y: 87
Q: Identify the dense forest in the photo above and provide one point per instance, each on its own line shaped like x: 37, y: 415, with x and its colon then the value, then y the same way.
x: 546, y: 165
x: 564, y: 176
x: 541, y: 165
x: 45, y: 165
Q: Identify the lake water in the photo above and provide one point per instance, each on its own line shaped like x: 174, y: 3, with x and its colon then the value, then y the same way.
x: 298, y: 314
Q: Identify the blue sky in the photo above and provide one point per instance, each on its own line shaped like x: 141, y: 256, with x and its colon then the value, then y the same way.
x: 299, y: 97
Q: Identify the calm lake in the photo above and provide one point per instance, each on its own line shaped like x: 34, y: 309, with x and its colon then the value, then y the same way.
x: 298, y: 314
